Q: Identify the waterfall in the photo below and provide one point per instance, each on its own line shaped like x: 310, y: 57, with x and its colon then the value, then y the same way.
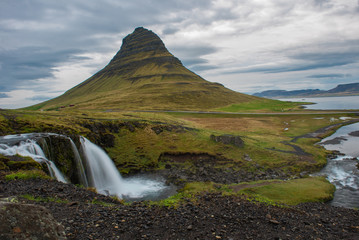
x: 30, y: 148
x: 102, y: 172
x: 104, y: 176
x: 79, y: 164
x: 93, y: 166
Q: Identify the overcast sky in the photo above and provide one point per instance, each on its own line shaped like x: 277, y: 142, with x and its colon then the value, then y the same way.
x: 49, y: 46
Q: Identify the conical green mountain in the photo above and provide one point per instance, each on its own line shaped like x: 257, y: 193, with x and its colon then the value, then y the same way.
x: 145, y: 75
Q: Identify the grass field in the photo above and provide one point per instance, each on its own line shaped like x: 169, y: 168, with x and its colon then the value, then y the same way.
x: 140, y: 148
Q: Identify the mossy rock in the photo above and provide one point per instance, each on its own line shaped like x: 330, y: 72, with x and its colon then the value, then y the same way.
x: 18, y: 162
x: 4, y: 159
x: 3, y: 166
x: 59, y: 150
x: 24, y: 165
x: 27, y: 174
x: 3, y: 162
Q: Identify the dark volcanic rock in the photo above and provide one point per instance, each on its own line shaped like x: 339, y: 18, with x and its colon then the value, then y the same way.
x: 211, y: 216
x: 354, y: 134
x: 171, y: 128
x: 27, y: 221
x: 229, y: 139
x: 334, y: 141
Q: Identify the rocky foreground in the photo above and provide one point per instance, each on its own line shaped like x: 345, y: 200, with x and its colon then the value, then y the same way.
x: 87, y: 215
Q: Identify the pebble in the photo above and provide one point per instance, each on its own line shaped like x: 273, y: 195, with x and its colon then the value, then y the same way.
x: 216, y: 216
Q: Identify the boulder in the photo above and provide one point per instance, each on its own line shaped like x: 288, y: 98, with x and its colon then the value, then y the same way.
x: 229, y: 139
x: 27, y: 221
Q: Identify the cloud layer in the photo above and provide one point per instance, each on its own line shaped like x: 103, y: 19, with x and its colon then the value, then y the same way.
x: 48, y: 47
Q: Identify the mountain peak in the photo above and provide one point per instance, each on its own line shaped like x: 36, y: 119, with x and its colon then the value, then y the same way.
x: 145, y: 75
x: 140, y: 45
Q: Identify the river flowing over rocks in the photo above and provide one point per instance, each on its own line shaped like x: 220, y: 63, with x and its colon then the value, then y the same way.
x: 341, y: 169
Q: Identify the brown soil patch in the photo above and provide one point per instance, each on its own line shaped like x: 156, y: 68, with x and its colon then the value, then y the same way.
x: 232, y: 124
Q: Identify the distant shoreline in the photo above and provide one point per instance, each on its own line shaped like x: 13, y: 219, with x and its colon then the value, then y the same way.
x: 315, y: 96
x: 341, y: 90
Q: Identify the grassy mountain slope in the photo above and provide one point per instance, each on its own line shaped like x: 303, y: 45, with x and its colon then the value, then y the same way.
x: 145, y: 75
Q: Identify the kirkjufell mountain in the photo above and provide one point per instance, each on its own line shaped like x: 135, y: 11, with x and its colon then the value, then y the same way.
x: 144, y: 75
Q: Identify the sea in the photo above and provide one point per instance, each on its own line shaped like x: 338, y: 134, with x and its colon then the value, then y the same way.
x: 329, y: 103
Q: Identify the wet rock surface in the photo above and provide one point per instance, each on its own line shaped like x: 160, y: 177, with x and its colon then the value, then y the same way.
x: 334, y: 141
x: 212, y: 216
x: 354, y: 134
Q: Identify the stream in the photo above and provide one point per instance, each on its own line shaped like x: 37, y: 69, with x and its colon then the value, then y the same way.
x: 342, y: 170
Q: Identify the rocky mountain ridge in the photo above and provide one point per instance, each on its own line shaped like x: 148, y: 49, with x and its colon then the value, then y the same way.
x: 340, y: 90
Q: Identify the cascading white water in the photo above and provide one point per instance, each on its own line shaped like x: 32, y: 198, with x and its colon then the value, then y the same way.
x: 30, y: 148
x: 104, y: 176
x: 102, y: 173
x: 79, y: 165
x: 94, y: 168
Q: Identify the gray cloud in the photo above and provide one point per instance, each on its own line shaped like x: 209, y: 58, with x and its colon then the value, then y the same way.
x: 310, y: 58
x: 170, y: 30
x: 3, y: 95
x: 192, y: 56
x: 324, y: 60
x: 338, y: 75
x: 39, y: 98
x: 37, y: 36
x: 30, y: 63
x: 195, y: 50
x: 202, y: 67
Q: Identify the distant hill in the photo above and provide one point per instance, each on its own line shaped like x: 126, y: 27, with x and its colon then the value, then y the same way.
x: 145, y: 75
x: 340, y: 90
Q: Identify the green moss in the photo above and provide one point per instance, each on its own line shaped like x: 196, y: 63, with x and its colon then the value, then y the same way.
x: 175, y: 200
x: 190, y: 192
x: 26, y: 174
x: 293, y: 192
x: 28, y: 163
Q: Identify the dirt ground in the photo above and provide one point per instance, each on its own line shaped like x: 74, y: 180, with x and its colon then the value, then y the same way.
x: 87, y: 215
